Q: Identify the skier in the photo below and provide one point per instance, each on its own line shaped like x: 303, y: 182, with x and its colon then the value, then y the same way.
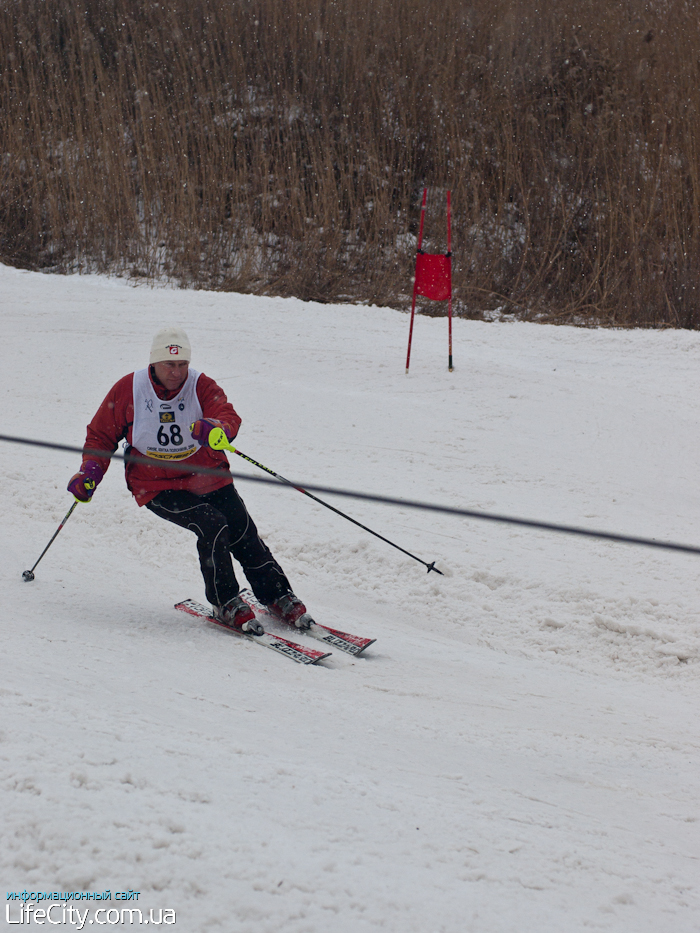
x: 166, y: 412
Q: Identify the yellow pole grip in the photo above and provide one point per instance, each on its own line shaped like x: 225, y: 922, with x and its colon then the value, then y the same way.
x: 219, y: 441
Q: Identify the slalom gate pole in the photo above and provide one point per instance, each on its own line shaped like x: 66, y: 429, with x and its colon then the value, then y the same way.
x: 449, y: 304
x: 415, y: 280
x: 219, y: 441
x: 29, y: 574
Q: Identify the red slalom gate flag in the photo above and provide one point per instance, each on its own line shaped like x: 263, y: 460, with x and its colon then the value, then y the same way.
x: 433, y: 278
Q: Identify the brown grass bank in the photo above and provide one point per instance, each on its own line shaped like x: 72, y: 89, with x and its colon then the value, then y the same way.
x: 280, y: 146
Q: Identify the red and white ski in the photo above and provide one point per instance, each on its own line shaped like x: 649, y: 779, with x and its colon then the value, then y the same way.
x: 299, y: 653
x: 344, y: 641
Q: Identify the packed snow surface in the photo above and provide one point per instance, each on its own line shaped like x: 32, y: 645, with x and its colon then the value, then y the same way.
x: 519, y: 750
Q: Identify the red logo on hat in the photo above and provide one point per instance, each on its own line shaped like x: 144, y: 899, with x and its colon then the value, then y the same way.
x: 174, y: 349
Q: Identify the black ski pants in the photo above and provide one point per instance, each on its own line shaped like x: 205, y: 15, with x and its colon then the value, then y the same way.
x: 224, y: 528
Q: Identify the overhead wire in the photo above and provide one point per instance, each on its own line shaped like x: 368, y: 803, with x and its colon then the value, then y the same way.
x: 475, y: 514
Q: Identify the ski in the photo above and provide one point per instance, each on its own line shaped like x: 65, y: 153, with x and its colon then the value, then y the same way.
x: 299, y: 653
x: 343, y: 641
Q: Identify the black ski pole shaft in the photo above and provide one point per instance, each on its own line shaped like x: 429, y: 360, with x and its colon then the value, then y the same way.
x: 29, y: 574
x: 220, y: 442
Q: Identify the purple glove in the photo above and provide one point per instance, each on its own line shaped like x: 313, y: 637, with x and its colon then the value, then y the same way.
x: 201, y: 430
x: 83, y: 484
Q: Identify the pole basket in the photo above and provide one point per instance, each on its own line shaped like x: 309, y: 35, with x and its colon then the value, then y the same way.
x: 433, y: 278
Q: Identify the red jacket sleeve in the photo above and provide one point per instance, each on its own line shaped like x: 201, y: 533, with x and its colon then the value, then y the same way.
x: 112, y: 421
x: 215, y: 405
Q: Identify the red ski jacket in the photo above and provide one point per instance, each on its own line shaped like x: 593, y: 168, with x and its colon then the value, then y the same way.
x: 113, y: 423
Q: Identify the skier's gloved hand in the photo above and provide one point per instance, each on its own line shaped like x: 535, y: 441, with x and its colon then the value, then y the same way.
x: 202, y: 429
x: 84, y: 483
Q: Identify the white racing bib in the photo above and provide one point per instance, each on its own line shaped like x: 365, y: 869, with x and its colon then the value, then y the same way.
x: 162, y: 429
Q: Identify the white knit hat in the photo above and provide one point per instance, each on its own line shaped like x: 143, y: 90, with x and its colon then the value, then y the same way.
x: 171, y: 343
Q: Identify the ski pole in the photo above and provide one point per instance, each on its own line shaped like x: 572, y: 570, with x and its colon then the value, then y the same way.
x: 219, y: 441
x: 29, y: 574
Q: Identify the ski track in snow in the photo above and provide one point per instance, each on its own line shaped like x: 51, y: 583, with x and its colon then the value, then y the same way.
x: 518, y: 751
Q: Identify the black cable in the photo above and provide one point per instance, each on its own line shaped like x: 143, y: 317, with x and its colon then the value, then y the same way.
x: 386, y: 500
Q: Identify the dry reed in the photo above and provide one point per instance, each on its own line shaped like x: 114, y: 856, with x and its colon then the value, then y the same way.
x: 281, y: 146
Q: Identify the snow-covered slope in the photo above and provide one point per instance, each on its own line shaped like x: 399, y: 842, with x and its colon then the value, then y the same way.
x: 518, y: 751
